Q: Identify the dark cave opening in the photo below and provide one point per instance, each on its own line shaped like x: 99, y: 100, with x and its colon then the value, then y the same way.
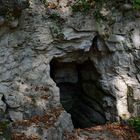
x: 81, y: 94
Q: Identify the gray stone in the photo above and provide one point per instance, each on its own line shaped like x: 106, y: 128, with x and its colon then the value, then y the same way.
x: 4, y: 88
x: 14, y: 100
x: 16, y: 116
x: 116, y: 38
x: 85, y: 25
x: 127, y: 7
x: 13, y: 24
x: 65, y: 122
x: 2, y: 20
x: 53, y: 134
x: 27, y: 87
x: 135, y: 38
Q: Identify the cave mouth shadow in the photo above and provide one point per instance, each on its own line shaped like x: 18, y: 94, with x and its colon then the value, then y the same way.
x: 81, y: 94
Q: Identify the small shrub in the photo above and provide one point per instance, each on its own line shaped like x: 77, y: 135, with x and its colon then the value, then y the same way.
x: 98, y: 16
x: 135, y: 123
x: 136, y: 4
x: 54, y: 16
x: 82, y: 5
x: 85, y: 6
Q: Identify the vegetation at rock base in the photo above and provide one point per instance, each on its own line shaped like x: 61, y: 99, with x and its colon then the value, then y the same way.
x: 86, y: 5
x: 4, y: 129
x: 135, y: 123
x: 54, y: 16
x: 3, y: 125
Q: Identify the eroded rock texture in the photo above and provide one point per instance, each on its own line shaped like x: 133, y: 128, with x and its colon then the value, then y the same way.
x: 29, y: 98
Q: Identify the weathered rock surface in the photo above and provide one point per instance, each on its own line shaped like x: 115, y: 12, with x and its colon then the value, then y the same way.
x: 28, y: 93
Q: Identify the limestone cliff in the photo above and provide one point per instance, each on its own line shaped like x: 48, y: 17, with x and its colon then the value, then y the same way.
x: 54, y: 63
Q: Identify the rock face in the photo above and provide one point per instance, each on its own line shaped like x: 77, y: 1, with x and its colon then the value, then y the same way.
x: 92, y: 68
x: 10, y: 11
x: 12, y: 4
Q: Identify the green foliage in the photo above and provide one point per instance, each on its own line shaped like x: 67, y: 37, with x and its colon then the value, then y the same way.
x: 135, y: 123
x: 98, y: 16
x: 85, y: 6
x: 82, y: 5
x: 136, y: 4
x: 4, y: 130
x: 44, y: 2
x: 54, y: 16
x: 4, y: 125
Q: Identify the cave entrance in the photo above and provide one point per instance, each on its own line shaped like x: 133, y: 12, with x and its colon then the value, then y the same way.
x: 81, y: 94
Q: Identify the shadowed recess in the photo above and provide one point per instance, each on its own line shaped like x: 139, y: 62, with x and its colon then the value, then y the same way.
x: 81, y: 94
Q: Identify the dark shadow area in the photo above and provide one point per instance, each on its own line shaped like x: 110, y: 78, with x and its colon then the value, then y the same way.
x: 81, y: 94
